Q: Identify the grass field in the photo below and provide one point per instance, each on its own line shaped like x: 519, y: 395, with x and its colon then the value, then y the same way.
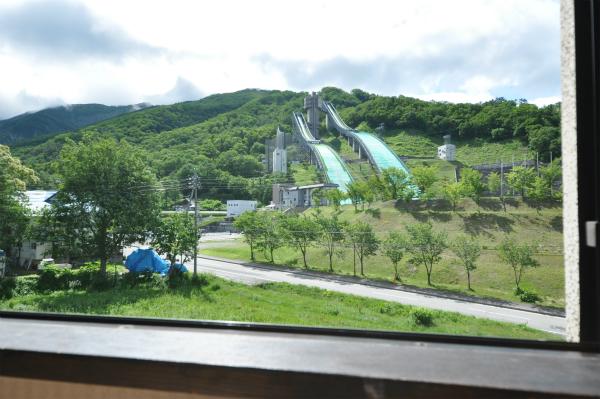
x: 278, y: 303
x: 468, y: 152
x: 489, y: 225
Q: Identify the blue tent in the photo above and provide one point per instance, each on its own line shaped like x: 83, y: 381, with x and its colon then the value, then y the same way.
x: 142, y: 260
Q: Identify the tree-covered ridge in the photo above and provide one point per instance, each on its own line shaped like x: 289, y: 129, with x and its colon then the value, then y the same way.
x: 222, y: 136
x: 40, y: 125
x: 493, y: 121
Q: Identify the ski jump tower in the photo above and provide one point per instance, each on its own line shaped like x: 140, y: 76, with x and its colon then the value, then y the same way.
x: 313, y: 104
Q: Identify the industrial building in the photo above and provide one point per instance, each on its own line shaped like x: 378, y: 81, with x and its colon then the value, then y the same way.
x: 287, y: 196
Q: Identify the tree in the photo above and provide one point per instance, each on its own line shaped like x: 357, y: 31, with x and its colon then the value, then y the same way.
x: 355, y: 193
x: 14, y: 216
x: 300, y: 232
x: 494, y: 184
x: 249, y: 223
x: 175, y: 235
x: 468, y: 251
x: 539, y: 190
x: 453, y: 192
x: 377, y: 187
x: 425, y: 245
x: 424, y: 178
x: 394, y: 247
x: 521, y: 179
x: 472, y: 182
x: 109, y: 188
x: 335, y: 196
x: 518, y: 256
x: 270, y: 235
x: 394, y: 181
x: 364, y: 242
x: 551, y: 173
x: 331, y: 234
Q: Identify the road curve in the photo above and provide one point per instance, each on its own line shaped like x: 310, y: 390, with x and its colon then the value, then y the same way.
x: 249, y: 274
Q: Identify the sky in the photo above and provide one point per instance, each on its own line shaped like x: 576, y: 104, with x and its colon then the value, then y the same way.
x: 120, y: 52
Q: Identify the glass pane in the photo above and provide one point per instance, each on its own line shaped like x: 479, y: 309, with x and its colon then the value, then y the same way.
x: 390, y: 167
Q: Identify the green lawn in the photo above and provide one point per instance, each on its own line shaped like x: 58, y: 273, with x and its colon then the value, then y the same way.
x: 279, y: 303
x: 488, y: 225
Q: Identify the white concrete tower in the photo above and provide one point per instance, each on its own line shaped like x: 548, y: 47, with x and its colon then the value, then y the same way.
x: 280, y: 153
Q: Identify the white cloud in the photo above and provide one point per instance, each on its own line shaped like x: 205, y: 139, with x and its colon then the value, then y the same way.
x: 117, y: 52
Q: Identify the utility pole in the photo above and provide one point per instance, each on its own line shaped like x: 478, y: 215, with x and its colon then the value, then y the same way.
x: 195, y: 186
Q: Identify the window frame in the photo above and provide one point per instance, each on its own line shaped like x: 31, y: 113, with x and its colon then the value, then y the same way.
x: 587, y: 65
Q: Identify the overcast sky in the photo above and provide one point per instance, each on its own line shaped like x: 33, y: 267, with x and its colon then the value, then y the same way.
x: 125, y: 52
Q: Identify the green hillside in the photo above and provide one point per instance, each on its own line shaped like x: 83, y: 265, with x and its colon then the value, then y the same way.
x: 222, y: 136
x: 42, y: 124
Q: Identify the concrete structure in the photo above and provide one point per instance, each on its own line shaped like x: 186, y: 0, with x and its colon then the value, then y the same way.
x: 447, y: 151
x: 237, y: 207
x: 280, y: 153
x: 313, y: 105
x: 286, y: 196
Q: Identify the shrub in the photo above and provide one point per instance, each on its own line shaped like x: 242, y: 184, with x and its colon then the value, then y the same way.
x: 26, y: 285
x: 7, y: 287
x: 52, y: 278
x: 527, y: 296
x: 421, y: 317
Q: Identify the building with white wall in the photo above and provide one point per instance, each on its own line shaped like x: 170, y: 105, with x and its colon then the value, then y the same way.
x: 236, y: 207
x: 447, y: 151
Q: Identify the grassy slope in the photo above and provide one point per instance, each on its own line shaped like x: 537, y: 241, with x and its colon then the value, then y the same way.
x: 492, y: 277
x: 468, y: 152
x: 270, y: 303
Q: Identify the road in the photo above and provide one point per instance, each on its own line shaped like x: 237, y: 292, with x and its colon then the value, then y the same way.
x: 249, y: 274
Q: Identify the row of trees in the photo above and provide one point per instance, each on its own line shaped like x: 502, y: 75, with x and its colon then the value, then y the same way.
x: 268, y: 231
x: 108, y: 199
x: 395, y: 184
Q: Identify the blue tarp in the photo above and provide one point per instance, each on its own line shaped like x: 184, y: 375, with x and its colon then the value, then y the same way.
x: 180, y: 267
x: 143, y: 260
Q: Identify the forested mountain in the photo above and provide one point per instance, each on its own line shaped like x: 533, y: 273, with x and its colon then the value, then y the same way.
x: 222, y: 136
x: 54, y: 120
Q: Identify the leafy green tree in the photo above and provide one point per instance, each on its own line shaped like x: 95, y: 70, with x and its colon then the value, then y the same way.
x: 376, y: 187
x: 539, y: 190
x: 468, y: 251
x: 551, y: 173
x: 394, y: 247
x: 453, y: 192
x: 270, y: 235
x: 364, y: 242
x: 368, y: 193
x: 519, y: 257
x: 250, y: 224
x: 331, y: 234
x: 108, y: 186
x: 493, y: 182
x: 521, y: 179
x: 175, y: 235
x: 424, y: 178
x: 300, y: 232
x: 394, y: 181
x: 426, y: 246
x: 14, y: 216
x: 473, y: 185
x: 335, y: 197
x: 355, y: 192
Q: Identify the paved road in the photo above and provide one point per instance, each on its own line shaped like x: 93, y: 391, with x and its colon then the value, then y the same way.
x: 254, y: 275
